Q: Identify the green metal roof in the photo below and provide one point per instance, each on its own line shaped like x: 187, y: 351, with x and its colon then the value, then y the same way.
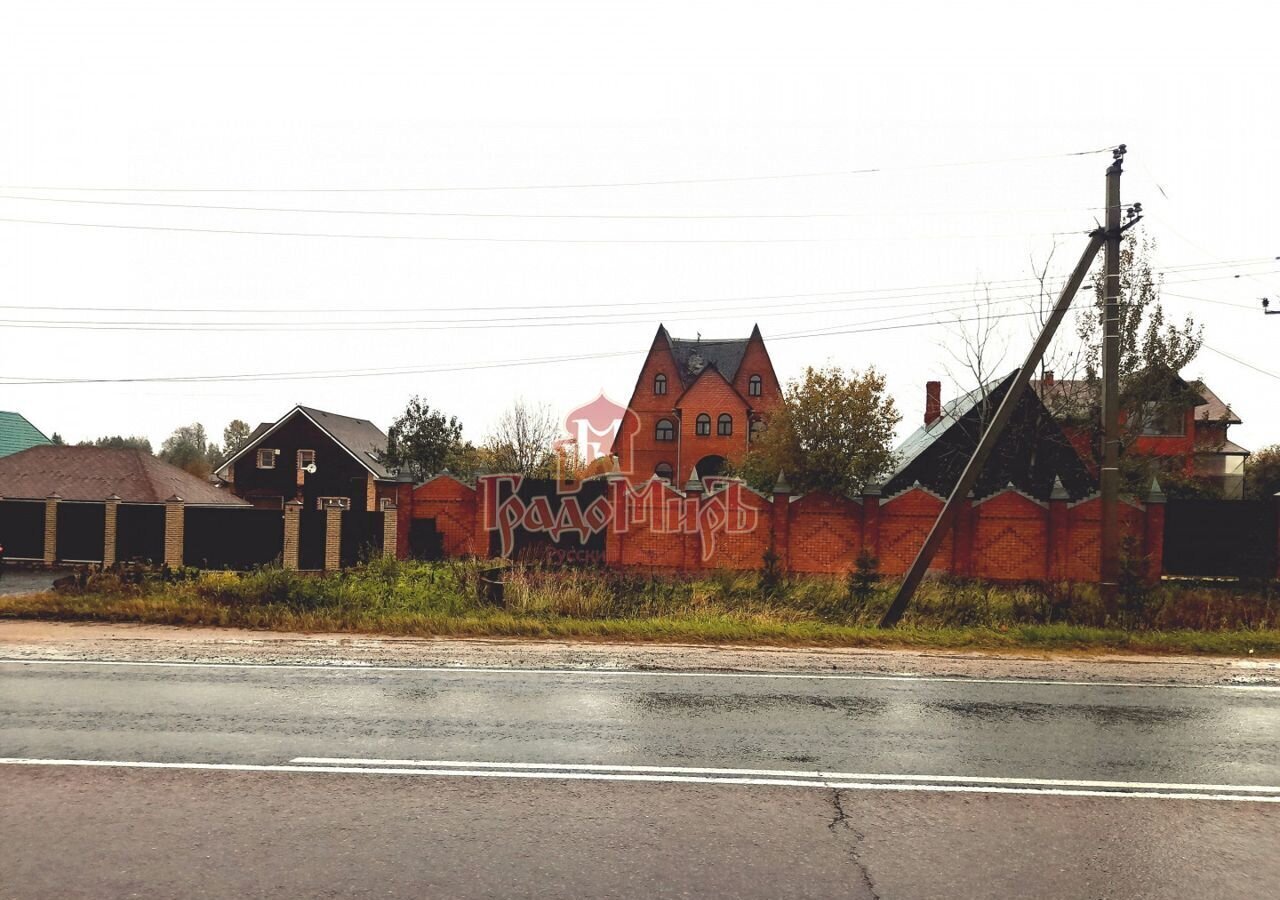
x: 17, y: 434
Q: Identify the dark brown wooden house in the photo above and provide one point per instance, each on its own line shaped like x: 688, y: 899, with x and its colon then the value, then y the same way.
x: 320, y: 458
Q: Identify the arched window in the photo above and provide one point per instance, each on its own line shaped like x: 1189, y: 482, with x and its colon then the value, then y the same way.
x: 755, y: 385
x: 724, y: 424
x: 664, y: 470
x: 659, y: 383
x: 757, y: 429
x: 665, y: 431
x: 703, y: 425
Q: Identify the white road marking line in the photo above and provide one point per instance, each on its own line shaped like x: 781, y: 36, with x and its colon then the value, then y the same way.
x: 640, y: 673
x: 787, y: 773
x: 637, y: 777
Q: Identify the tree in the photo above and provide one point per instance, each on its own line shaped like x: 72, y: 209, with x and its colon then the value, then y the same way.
x: 1262, y: 474
x: 120, y: 442
x: 423, y: 442
x: 833, y: 432
x: 523, y: 441
x: 189, y: 449
x: 235, y: 435
x: 57, y: 440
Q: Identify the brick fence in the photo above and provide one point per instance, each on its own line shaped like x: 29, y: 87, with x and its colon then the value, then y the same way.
x: 1007, y: 536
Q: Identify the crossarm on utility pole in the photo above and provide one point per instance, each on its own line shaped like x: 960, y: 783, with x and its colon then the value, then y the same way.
x: 969, y: 477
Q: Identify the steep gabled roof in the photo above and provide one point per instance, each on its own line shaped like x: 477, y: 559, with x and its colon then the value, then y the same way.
x: 1213, y: 409
x: 95, y: 473
x: 1032, y: 452
x: 692, y: 356
x: 363, y: 440
x: 17, y: 434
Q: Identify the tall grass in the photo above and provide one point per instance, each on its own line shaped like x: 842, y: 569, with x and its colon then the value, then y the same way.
x: 446, y: 598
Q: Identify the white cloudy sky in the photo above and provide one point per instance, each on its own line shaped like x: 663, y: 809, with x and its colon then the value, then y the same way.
x: 288, y: 98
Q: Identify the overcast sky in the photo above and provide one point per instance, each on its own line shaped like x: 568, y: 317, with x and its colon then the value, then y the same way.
x: 472, y: 100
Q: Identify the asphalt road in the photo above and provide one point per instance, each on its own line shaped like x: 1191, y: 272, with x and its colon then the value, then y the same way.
x: 248, y: 781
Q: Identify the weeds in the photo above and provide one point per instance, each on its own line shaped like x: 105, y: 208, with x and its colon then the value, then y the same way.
x: 442, y: 598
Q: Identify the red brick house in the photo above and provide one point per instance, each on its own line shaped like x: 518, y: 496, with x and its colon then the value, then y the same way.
x: 1191, y: 436
x: 695, y: 406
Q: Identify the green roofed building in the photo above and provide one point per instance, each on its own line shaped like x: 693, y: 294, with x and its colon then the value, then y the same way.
x: 17, y: 434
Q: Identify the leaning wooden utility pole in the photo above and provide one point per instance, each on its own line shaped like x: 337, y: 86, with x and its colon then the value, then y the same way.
x: 1109, y: 480
x: 969, y: 477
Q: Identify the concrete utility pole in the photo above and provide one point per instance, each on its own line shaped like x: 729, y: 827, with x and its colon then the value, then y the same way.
x: 1110, y: 236
x: 972, y: 469
x: 1110, y: 474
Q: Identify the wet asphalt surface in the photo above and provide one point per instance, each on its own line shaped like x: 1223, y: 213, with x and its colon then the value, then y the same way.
x: 25, y: 581
x: 111, y: 832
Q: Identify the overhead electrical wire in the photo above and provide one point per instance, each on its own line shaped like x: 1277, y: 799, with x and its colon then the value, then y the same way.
x: 727, y: 179
x: 513, y: 215
x: 906, y: 292
x: 517, y: 240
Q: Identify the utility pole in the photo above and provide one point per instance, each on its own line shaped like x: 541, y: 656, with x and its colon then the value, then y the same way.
x: 1110, y: 237
x: 972, y: 469
x: 1110, y: 474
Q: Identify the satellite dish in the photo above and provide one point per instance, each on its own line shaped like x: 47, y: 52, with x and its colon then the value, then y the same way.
x: 309, y: 468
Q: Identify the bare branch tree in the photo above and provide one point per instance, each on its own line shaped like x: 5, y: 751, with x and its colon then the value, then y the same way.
x: 523, y: 441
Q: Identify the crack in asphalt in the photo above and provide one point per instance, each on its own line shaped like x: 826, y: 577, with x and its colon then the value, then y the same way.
x: 841, y: 821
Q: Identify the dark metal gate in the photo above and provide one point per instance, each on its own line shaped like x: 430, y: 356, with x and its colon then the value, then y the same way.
x: 311, y: 537
x: 1216, y: 538
x: 81, y: 531
x: 140, y: 532
x: 361, y: 536
x: 22, y: 528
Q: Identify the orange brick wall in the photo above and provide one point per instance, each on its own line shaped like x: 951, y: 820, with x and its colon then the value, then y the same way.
x: 1006, y: 537
x: 454, y: 506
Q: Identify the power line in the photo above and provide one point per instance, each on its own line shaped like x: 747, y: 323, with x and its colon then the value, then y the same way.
x: 905, y: 292
x: 1239, y: 361
x: 511, y: 215
x: 949, y: 304
x: 572, y: 186
x: 519, y: 240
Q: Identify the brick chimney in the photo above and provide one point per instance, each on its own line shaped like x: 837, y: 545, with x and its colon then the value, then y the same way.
x: 932, y: 402
x: 1047, y: 381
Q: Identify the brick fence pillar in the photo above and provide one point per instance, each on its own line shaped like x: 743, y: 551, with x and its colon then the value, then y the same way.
x: 289, y: 557
x: 1059, y: 540
x: 390, y: 524
x: 871, y: 519
x: 1153, y: 542
x: 51, y: 528
x: 110, y: 515
x: 175, y: 515
x: 781, y: 523
x: 332, y: 539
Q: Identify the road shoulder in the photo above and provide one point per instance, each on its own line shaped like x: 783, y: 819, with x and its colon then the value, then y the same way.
x: 152, y: 643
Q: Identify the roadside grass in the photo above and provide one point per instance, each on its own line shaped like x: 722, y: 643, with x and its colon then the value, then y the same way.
x: 722, y: 607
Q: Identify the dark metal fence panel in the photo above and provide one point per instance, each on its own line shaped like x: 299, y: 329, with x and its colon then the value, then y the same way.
x: 1215, y: 538
x: 139, y: 532
x: 22, y: 529
x: 543, y: 501
x: 311, y: 527
x: 232, y: 537
x: 81, y: 530
x: 361, y: 536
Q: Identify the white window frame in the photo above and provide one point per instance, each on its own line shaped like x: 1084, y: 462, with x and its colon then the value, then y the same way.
x: 343, y: 503
x: 266, y: 454
x: 311, y: 461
